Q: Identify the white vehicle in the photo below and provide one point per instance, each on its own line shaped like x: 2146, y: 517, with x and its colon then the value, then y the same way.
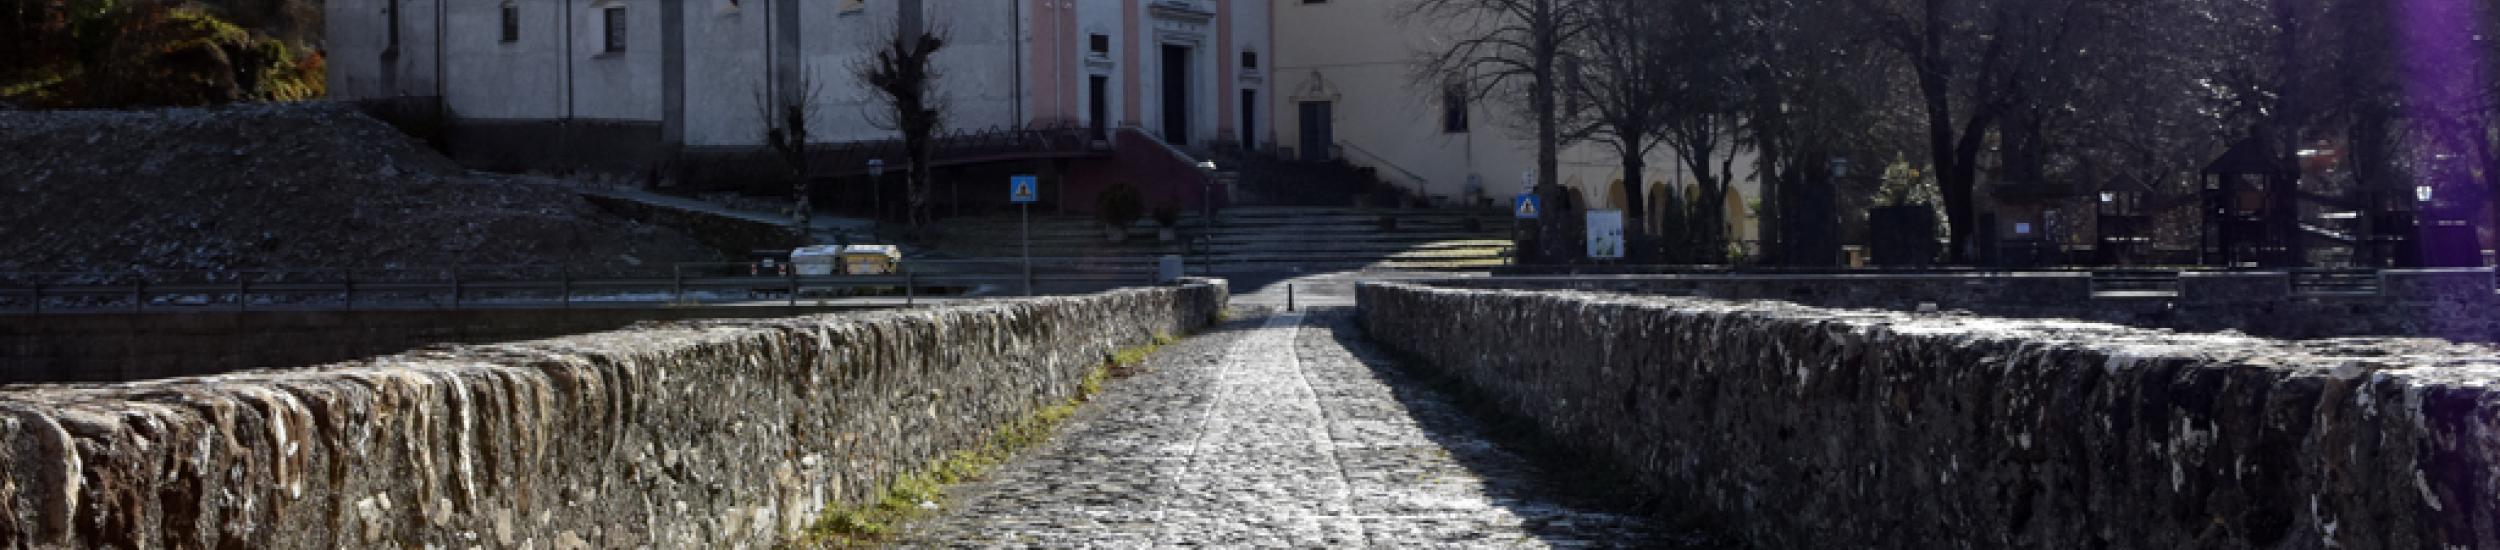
x: 871, y: 259
x: 816, y: 261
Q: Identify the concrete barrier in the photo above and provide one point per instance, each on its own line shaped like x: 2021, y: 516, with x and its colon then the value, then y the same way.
x: 1802, y: 427
x: 697, y: 434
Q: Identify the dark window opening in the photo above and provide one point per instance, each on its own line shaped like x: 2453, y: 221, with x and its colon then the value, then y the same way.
x: 511, y: 23
x: 616, y: 29
x: 1454, y: 108
x: 1098, y: 93
x: 1249, y: 60
x: 1250, y: 119
x: 392, y: 12
x: 1101, y: 43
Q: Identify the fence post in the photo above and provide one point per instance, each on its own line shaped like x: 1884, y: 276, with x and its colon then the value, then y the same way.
x: 242, y: 293
x: 677, y: 284
x: 792, y: 275
x: 908, y: 289
x: 139, y: 293
x: 564, y: 285
x: 38, y: 298
x: 348, y: 284
x: 455, y: 289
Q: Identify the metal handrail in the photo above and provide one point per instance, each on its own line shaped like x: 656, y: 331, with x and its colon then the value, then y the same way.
x: 1421, y: 183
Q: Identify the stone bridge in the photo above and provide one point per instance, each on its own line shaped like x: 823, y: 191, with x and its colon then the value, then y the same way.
x: 1430, y: 414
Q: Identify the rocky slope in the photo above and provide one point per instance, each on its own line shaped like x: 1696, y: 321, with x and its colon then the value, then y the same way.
x: 290, y: 187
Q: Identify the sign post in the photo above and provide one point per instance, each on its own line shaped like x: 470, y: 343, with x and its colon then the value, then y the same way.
x: 1523, y: 208
x: 1605, y: 234
x: 1024, y: 190
x: 876, y: 186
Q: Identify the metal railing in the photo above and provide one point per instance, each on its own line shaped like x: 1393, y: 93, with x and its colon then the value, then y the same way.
x: 2335, y: 281
x: 469, y: 288
x: 2150, y: 281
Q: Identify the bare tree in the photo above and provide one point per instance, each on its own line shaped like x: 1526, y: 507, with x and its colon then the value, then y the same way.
x: 1704, y: 110
x: 1972, y: 60
x: 1510, y: 50
x: 1815, y: 93
x: 786, y: 119
x: 1624, y: 82
x: 902, y: 75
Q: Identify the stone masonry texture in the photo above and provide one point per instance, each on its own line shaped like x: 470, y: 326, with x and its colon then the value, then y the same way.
x: 1806, y: 427
x: 2444, y: 303
x: 696, y: 434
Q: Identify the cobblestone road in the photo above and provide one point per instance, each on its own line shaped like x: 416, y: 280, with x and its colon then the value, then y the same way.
x: 1273, y: 432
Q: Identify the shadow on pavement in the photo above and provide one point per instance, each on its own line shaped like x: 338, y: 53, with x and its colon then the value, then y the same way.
x: 1528, y: 473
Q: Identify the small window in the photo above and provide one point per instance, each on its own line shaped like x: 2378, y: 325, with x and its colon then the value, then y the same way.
x: 392, y: 11
x: 616, y: 29
x: 1249, y: 60
x: 1101, y: 43
x: 511, y: 22
x: 1454, y: 108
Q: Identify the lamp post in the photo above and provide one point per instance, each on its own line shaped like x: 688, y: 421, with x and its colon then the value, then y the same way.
x: 876, y: 185
x: 1206, y: 218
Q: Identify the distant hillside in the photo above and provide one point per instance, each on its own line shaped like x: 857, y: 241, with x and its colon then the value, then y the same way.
x: 132, y: 53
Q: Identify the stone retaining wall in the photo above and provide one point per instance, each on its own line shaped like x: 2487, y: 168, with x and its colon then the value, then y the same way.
x: 699, y: 434
x: 1802, y: 427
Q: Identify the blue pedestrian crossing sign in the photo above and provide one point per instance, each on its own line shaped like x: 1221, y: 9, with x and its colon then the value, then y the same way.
x: 1023, y: 189
x: 1526, y: 206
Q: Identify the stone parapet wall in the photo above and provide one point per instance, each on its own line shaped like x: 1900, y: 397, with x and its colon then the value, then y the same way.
x: 2444, y: 303
x: 120, y: 347
x: 1803, y: 427
x: 697, y: 434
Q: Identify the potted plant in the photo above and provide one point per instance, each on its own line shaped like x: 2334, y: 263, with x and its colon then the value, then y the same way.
x: 1166, y: 217
x: 1118, y: 208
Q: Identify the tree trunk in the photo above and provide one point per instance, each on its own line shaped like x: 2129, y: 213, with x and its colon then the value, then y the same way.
x: 1955, y: 180
x: 1548, y: 135
x: 1636, y: 245
x: 917, y: 148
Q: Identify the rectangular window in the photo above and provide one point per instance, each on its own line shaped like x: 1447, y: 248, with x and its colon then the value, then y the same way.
x: 616, y: 29
x: 1454, y: 108
x: 1249, y: 60
x: 392, y: 11
x: 511, y: 22
x: 1101, y: 43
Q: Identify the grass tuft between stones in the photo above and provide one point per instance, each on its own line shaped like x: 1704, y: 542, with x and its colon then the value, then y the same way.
x: 875, y: 524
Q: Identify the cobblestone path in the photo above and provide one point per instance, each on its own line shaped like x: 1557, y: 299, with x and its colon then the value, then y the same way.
x: 1273, y: 432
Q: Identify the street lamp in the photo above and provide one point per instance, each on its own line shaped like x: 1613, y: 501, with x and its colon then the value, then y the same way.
x: 1206, y: 218
x: 2422, y: 193
x: 876, y: 186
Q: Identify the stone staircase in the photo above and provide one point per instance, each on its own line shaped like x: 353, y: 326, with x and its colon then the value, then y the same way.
x: 1261, y: 239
